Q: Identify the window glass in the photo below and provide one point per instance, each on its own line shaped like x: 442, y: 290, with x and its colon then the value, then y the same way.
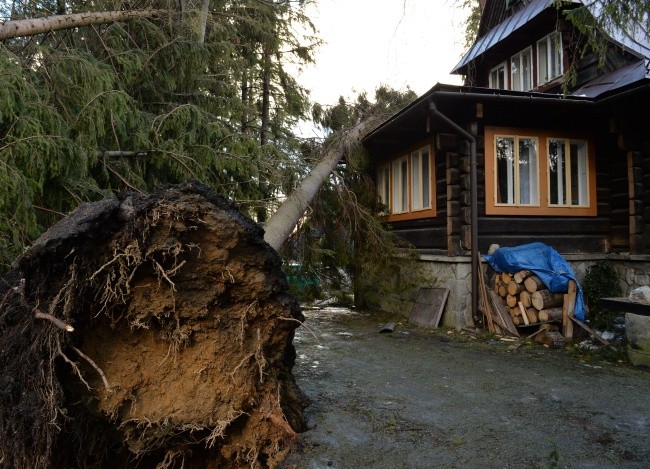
x: 526, y: 70
x: 426, y: 180
x: 516, y: 73
x: 556, y: 171
x: 415, y: 181
x: 568, y: 178
x: 520, y: 71
x: 555, y: 58
x: 505, y: 151
x: 527, y: 160
x: 498, y: 77
x: 579, y: 194
x: 517, y: 171
x: 383, y: 184
x: 396, y: 186
x: 404, y: 186
x: 386, y: 186
x: 542, y: 62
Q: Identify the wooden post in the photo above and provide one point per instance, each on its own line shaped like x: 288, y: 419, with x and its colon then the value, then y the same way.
x: 567, y: 311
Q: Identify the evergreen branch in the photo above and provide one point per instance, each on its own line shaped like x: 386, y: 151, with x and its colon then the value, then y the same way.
x: 126, y: 183
x: 97, y: 96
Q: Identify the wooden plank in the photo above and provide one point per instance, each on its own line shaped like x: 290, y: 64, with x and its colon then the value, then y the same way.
x: 591, y: 332
x: 568, y: 309
x: 625, y: 305
x: 428, y: 307
x: 487, y: 310
x: 500, y: 311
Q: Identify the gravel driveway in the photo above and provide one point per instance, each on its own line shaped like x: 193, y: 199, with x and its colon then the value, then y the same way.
x: 417, y: 398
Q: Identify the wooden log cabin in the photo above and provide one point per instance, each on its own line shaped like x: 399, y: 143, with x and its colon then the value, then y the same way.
x: 520, y: 153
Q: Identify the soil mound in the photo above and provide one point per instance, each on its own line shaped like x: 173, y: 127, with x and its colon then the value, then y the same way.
x: 181, y: 352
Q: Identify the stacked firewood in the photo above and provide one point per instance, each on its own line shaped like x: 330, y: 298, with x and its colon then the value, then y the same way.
x: 527, y: 299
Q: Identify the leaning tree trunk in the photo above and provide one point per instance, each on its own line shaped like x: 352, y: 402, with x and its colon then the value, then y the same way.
x: 284, y: 220
x: 34, y: 26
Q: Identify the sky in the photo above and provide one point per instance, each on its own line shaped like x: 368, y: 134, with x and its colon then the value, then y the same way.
x: 400, y: 43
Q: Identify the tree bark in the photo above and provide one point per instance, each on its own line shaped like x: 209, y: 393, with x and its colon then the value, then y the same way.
x: 550, y: 314
x: 283, y: 221
x: 544, y: 299
x: 34, y: 26
x: 203, y: 20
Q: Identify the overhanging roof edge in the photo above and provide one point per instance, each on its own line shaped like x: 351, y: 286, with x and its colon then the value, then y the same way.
x: 478, y: 94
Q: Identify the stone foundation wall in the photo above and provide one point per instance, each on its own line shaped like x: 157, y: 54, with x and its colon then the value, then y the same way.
x: 454, y: 273
x: 633, y: 270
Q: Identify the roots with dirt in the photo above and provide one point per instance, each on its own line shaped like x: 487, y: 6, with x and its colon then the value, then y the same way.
x: 149, y: 330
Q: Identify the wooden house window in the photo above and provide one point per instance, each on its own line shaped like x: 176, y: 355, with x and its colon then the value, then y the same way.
x: 521, y: 70
x: 498, y: 77
x: 549, y: 58
x: 406, y: 184
x: 568, y: 172
x: 531, y: 172
x: 517, y: 172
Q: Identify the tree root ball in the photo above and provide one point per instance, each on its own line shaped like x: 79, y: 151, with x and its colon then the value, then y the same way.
x: 181, y: 349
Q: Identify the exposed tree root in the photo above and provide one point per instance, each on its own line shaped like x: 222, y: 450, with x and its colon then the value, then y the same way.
x: 184, y: 287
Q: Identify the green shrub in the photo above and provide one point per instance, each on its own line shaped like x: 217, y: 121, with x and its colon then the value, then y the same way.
x: 601, y: 281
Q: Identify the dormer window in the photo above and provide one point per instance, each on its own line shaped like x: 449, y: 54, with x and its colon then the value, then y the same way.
x: 549, y: 58
x: 498, y: 77
x: 521, y: 70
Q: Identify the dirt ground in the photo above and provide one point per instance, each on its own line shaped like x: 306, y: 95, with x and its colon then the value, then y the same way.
x: 417, y: 398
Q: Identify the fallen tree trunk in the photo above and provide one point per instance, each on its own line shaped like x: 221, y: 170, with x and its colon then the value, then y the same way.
x: 148, y: 331
x: 31, y: 27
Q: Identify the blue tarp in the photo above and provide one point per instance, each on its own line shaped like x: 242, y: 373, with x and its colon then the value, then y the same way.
x: 545, y: 262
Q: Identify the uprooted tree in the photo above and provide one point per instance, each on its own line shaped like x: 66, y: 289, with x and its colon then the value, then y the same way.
x: 155, y: 330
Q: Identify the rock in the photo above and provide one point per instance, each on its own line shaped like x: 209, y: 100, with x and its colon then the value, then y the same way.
x: 640, y: 295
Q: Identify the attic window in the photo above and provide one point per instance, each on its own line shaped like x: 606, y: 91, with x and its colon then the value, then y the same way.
x: 511, y: 3
x: 549, y: 58
x: 498, y: 77
x: 521, y: 69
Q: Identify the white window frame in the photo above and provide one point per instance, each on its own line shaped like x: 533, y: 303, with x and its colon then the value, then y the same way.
x: 550, y: 43
x: 564, y: 175
x: 418, y: 178
x: 513, y: 175
x: 516, y: 63
x: 496, y: 69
